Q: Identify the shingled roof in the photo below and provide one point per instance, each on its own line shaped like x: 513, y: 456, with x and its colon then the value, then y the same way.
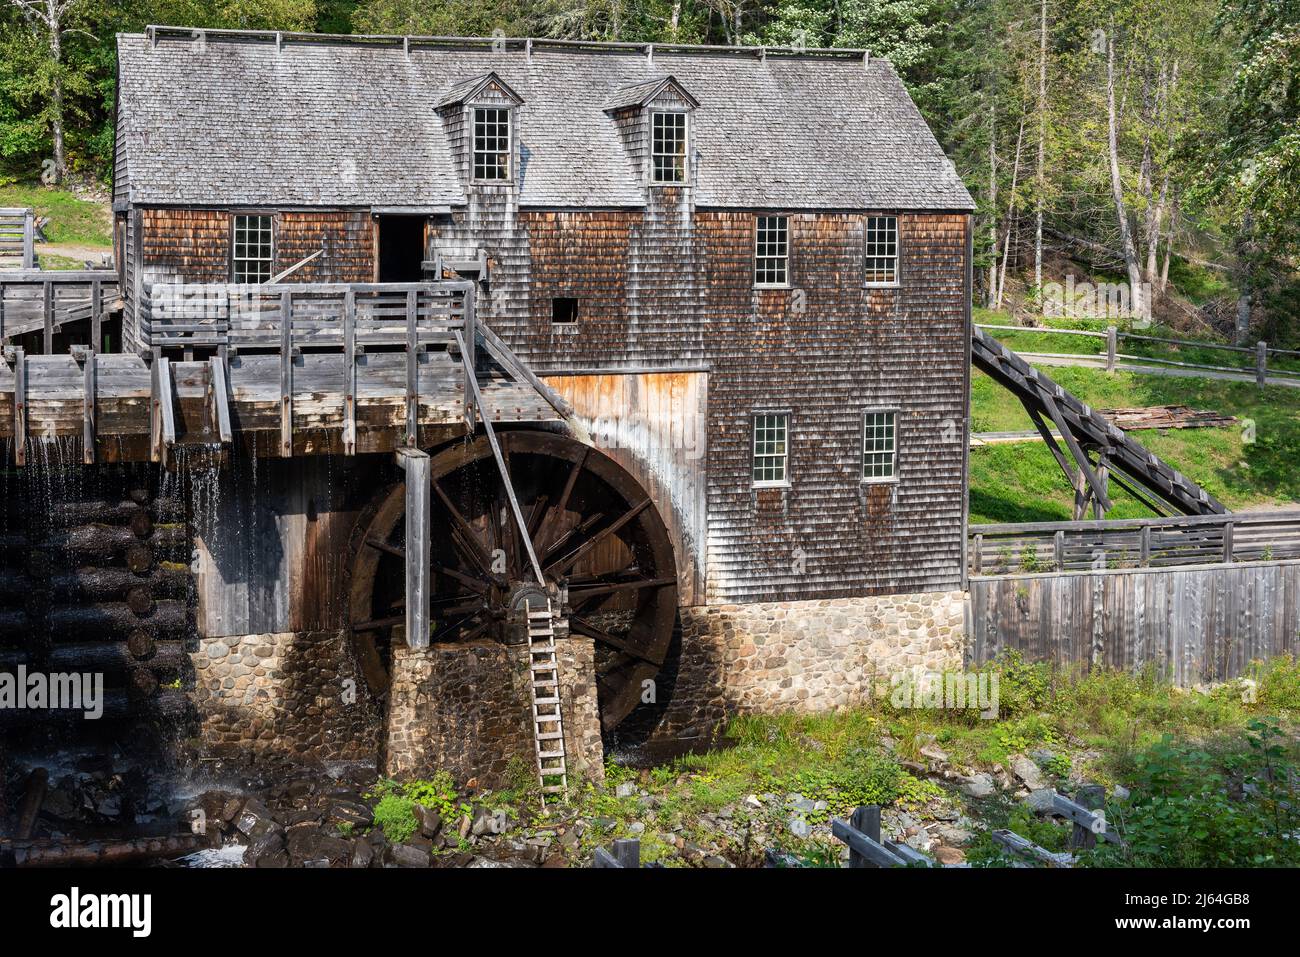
x: 288, y: 120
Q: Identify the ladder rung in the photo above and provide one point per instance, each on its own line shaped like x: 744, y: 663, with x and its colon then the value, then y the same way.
x: 548, y: 755
x: 539, y: 614
x: 550, y: 735
x: 554, y: 789
x: 552, y: 683
x: 547, y: 701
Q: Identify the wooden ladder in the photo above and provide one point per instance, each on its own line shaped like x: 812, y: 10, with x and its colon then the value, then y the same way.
x: 544, y: 679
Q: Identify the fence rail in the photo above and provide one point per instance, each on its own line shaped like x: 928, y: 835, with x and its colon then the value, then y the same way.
x: 1134, y: 543
x: 1111, y: 354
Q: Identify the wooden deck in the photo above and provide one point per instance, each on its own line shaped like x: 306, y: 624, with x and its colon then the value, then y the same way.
x: 45, y: 300
x: 356, y: 369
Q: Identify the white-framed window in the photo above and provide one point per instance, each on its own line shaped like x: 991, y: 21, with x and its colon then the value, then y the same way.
x: 882, y: 251
x: 491, y: 152
x: 252, y: 247
x: 879, y: 446
x: 667, y: 147
x: 771, y: 449
x: 772, y: 251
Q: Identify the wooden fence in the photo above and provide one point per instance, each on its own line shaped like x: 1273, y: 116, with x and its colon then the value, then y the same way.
x: 17, y: 239
x: 1133, y: 543
x: 42, y: 300
x: 1192, y: 625
x: 1259, y: 353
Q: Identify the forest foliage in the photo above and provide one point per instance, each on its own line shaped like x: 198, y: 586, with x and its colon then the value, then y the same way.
x: 1117, y: 131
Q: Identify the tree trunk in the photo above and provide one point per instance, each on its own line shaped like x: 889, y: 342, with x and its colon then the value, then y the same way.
x: 675, y: 21
x: 1042, y: 147
x: 992, y: 281
x: 60, y: 171
x: 1011, y: 214
x: 1141, y: 308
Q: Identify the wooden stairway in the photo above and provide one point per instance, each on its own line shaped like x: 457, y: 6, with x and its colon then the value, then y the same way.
x: 544, y: 679
x: 1091, y: 440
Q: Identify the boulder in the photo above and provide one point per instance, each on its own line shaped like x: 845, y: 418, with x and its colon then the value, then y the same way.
x: 978, y: 785
x: 1027, y: 771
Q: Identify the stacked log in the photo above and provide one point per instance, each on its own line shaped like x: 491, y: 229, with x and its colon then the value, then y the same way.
x: 98, y: 585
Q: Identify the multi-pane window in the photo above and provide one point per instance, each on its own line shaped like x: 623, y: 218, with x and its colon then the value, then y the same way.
x: 251, y: 252
x: 771, y: 448
x: 491, y: 143
x: 882, y: 250
x: 772, y: 251
x: 668, y: 147
x: 879, y: 445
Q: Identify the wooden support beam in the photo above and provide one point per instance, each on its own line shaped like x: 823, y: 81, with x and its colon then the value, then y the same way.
x: 419, y: 531
x: 20, y: 406
x: 471, y: 382
x: 626, y: 853
x: 350, y: 372
x: 412, y: 368
x: 48, y: 315
x: 468, y: 357
x: 870, y: 852
x: 90, y: 362
x: 163, y: 419
x: 220, y: 399
x: 286, y: 373
x: 1028, y: 849
x: 1080, y: 458
x: 96, y: 316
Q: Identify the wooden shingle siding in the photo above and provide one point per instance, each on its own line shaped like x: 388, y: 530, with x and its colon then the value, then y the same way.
x: 668, y: 287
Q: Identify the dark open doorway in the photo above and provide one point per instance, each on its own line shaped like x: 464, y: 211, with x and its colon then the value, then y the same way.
x: 401, y: 248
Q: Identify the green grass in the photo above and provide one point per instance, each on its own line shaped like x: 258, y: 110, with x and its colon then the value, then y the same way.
x: 1022, y: 483
x: 72, y: 221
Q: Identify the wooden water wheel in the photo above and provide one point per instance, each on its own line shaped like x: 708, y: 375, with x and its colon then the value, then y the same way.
x: 603, y: 549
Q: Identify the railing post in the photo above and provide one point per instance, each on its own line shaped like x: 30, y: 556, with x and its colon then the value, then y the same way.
x: 1058, y: 545
x: 412, y: 368
x: 1227, y: 541
x: 468, y: 354
x: 286, y: 373
x: 979, y: 554
x: 1145, y: 557
x: 96, y: 316
x: 350, y: 372
x: 20, y: 406
x: 48, y: 315
x: 1112, y: 347
x: 1261, y: 363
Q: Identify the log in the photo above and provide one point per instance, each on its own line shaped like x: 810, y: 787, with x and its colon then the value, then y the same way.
x: 103, y: 512
x: 114, y: 584
x: 108, y: 657
x: 87, y: 853
x: 117, y: 620
x: 110, y: 541
x: 33, y: 797
x: 118, y: 706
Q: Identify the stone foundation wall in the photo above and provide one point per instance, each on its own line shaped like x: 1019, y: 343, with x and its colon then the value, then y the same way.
x: 803, y: 656
x: 466, y: 708
x: 294, y: 693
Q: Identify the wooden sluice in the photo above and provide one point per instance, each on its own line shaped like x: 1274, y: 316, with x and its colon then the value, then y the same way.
x: 355, y: 369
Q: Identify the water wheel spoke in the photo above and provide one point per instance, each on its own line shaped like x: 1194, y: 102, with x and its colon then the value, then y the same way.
x: 583, y: 627
x: 553, y: 516
x: 466, y: 529
x: 378, y: 623
x: 584, y: 592
x: 386, y: 548
x: 470, y: 582
x: 561, y: 565
x: 443, y: 632
x: 576, y: 532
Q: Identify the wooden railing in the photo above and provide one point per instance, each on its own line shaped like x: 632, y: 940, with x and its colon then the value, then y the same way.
x: 319, y: 315
x: 43, y: 300
x: 1257, y: 356
x: 17, y: 239
x: 1134, y: 543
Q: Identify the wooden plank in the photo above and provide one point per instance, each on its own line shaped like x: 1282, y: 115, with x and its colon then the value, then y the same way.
x: 868, y: 849
x: 286, y: 373
x: 47, y: 313
x: 96, y: 315
x: 1028, y: 849
x: 220, y: 399
x: 20, y: 406
x: 350, y: 372
x: 88, y: 407
x: 419, y: 511
x: 412, y: 369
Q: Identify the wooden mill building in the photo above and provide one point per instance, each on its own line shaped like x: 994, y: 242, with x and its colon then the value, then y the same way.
x: 716, y: 307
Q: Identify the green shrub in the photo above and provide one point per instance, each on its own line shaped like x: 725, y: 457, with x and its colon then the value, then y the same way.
x: 395, y: 812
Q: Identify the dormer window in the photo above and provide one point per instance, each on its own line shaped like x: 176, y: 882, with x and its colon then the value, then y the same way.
x: 491, y: 144
x: 668, y: 147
